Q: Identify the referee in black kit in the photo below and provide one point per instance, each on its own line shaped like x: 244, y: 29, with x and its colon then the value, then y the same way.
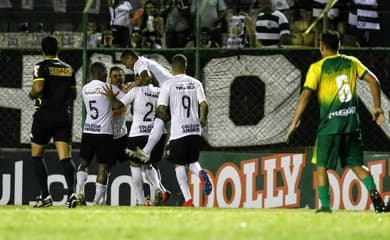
x: 54, y: 90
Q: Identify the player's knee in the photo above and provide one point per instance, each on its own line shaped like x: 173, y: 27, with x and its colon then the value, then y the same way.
x: 83, y: 166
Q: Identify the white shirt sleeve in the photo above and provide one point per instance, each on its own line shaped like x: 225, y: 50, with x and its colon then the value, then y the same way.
x: 200, y: 93
x: 139, y: 67
x: 163, y: 98
x: 129, y: 97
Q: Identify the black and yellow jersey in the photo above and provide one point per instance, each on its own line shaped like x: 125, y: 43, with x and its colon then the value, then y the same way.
x: 59, y: 82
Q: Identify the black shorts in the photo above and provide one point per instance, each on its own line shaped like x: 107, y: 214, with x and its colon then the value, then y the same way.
x: 141, y: 141
x: 184, y: 150
x: 119, y: 149
x: 51, y: 123
x: 97, y: 145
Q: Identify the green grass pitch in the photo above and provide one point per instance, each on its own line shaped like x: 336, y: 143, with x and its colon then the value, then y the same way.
x: 112, y: 223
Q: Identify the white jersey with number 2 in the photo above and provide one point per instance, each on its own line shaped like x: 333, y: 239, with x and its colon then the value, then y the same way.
x: 98, y: 108
x: 183, y: 94
x: 144, y: 100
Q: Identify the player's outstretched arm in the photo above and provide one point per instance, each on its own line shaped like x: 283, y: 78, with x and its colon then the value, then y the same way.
x: 112, y: 97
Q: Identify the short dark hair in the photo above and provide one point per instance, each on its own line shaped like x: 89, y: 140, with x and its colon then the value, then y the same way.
x: 180, y: 60
x: 129, y: 52
x: 331, y: 40
x: 49, y: 45
x: 98, y: 70
x: 115, y: 68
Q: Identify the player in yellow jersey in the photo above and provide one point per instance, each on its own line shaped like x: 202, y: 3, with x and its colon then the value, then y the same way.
x: 334, y: 80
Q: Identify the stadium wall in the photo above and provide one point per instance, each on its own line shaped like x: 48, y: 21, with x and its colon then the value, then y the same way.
x: 251, y: 94
x: 240, y: 180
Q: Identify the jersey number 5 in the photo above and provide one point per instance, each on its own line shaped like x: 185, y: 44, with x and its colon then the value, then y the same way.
x: 94, y: 111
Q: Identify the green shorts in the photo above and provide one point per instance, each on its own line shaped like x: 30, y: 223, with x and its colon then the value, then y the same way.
x: 348, y: 147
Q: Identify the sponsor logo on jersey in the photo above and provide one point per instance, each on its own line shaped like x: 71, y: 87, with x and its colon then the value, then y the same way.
x: 148, y: 94
x: 185, y: 86
x: 187, y: 128
x: 343, y: 112
x: 93, y: 91
x: 145, y: 128
x: 91, y: 127
x: 62, y: 72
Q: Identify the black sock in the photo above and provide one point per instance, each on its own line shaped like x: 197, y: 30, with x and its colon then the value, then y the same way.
x: 41, y: 175
x: 69, y: 169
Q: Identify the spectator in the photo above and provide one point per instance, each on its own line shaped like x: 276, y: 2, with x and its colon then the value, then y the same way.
x: 213, y: 17
x: 318, y: 7
x: 151, y: 40
x: 150, y: 21
x: 364, y: 18
x: 94, y: 37
x: 136, y: 38
x: 205, y: 40
x: 120, y: 12
x: 285, y: 7
x: 177, y: 23
x: 238, y: 35
x: 107, y: 39
x: 272, y: 28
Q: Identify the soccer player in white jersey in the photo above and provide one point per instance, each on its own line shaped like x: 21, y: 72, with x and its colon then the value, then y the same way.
x: 144, y: 67
x: 117, y: 78
x: 97, y: 137
x: 144, y: 100
x: 188, y: 109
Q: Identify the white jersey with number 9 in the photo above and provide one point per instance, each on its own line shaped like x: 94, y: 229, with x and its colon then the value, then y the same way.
x: 183, y: 94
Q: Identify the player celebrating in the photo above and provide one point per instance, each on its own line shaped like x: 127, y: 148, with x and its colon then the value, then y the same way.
x: 54, y: 90
x: 185, y: 95
x: 339, y: 134
x: 149, y: 69
x: 144, y: 100
x: 117, y: 77
x: 97, y: 138
x: 144, y: 68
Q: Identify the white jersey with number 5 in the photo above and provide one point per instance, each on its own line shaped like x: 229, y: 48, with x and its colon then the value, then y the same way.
x: 98, y: 109
x: 160, y: 73
x: 183, y: 94
x: 144, y: 100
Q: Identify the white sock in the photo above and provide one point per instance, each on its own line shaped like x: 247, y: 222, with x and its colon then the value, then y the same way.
x: 100, y: 190
x: 155, y: 135
x: 152, y: 177
x: 136, y: 176
x: 81, y: 179
x: 181, y: 176
x: 195, y: 168
x: 159, y: 180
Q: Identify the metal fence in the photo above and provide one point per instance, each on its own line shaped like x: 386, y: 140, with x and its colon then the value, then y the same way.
x: 252, y: 94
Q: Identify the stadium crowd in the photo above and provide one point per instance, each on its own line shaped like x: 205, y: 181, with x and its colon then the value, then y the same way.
x: 229, y: 23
